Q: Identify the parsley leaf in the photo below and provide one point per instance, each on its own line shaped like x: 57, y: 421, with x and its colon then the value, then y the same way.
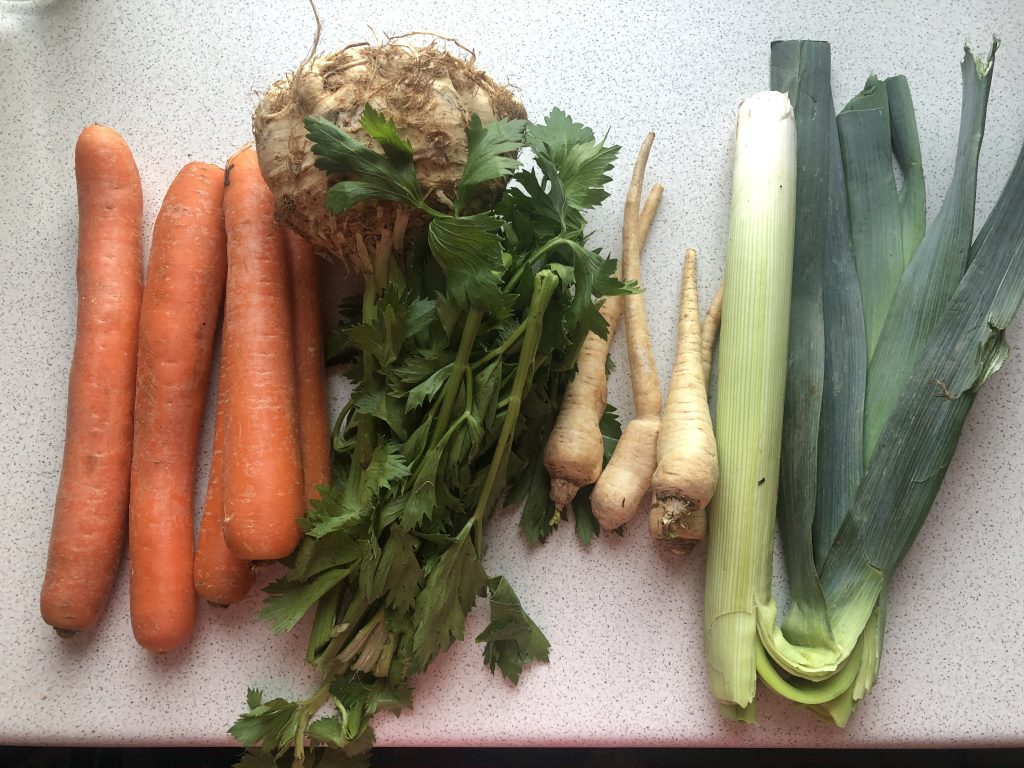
x: 390, y: 176
x: 491, y: 154
x: 448, y: 594
x: 394, y: 574
x: 468, y: 249
x: 511, y: 639
x: 568, y: 152
x: 274, y: 721
x: 288, y: 601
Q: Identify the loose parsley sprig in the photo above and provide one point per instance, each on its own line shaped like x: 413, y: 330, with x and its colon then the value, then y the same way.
x: 460, y: 351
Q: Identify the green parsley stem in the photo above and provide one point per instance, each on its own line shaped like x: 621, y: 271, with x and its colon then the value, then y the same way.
x: 353, y: 649
x: 343, y: 630
x: 323, y: 622
x: 306, y: 710
x: 505, y: 346
x: 537, y: 255
x: 545, y: 283
x: 454, y: 383
x: 387, y: 653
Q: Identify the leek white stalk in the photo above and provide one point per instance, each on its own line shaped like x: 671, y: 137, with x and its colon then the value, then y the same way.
x: 751, y: 387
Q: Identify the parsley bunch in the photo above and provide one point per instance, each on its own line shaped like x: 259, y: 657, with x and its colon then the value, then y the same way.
x: 460, y: 350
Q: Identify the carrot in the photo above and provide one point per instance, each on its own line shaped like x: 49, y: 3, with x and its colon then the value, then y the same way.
x: 220, y: 576
x: 709, y: 332
x: 574, y: 453
x: 91, y: 512
x: 180, y: 308
x: 627, y: 478
x: 687, y: 473
x: 263, y: 483
x: 304, y: 271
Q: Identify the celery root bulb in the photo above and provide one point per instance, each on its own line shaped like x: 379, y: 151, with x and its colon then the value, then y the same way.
x: 429, y: 93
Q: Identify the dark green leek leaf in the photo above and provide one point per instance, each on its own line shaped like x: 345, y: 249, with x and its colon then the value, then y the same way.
x: 875, y: 228
x: 906, y: 146
x: 802, y: 68
x: 840, y: 449
x: 900, y: 484
x: 936, y: 268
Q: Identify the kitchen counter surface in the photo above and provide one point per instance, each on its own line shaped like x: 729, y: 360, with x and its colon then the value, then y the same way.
x: 179, y: 79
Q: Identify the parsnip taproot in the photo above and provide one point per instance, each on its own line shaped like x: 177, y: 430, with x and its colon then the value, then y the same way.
x: 709, y: 333
x: 687, y: 472
x: 627, y: 478
x: 574, y: 453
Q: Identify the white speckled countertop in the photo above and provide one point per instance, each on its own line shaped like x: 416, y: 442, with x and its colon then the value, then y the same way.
x: 178, y: 79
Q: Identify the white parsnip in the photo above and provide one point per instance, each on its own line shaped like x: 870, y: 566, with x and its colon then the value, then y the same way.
x: 709, y: 332
x: 574, y: 454
x: 687, y: 472
x: 627, y: 478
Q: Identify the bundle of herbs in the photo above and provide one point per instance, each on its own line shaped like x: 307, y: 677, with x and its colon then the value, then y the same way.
x: 476, y: 300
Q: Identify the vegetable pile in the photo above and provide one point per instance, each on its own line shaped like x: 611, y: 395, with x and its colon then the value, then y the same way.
x: 854, y: 339
x: 893, y: 328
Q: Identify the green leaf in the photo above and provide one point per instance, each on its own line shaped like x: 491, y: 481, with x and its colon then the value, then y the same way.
x: 491, y: 154
x: 337, y: 509
x: 382, y: 129
x: 253, y: 697
x: 538, y: 517
x: 511, y: 639
x: 906, y: 146
x: 802, y: 68
x: 387, y: 465
x: 316, y: 555
x: 468, y: 249
x: 369, y: 175
x: 371, y: 697
x: 394, y: 573
x: 327, y: 730
x: 421, y: 503
x: 917, y: 444
x: 448, y: 595
x: 272, y: 723
x: 875, y: 226
x: 426, y: 389
x: 841, y: 451
x: 936, y: 268
x: 568, y: 152
x: 584, y: 521
x: 288, y: 601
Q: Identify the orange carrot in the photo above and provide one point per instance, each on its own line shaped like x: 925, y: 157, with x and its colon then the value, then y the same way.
x: 304, y: 270
x: 262, y: 459
x: 220, y: 576
x: 91, y: 512
x: 180, y: 308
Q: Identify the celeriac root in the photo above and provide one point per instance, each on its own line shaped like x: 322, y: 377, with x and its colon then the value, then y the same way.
x: 687, y: 473
x: 627, y: 478
x: 574, y: 453
x: 709, y: 332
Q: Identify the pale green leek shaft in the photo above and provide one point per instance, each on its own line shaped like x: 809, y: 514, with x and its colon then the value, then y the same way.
x: 751, y: 388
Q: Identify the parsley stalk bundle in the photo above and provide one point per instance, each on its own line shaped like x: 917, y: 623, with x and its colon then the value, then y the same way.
x: 476, y: 300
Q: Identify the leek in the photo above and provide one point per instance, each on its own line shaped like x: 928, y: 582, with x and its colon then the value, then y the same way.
x: 751, y: 387
x: 857, y: 470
